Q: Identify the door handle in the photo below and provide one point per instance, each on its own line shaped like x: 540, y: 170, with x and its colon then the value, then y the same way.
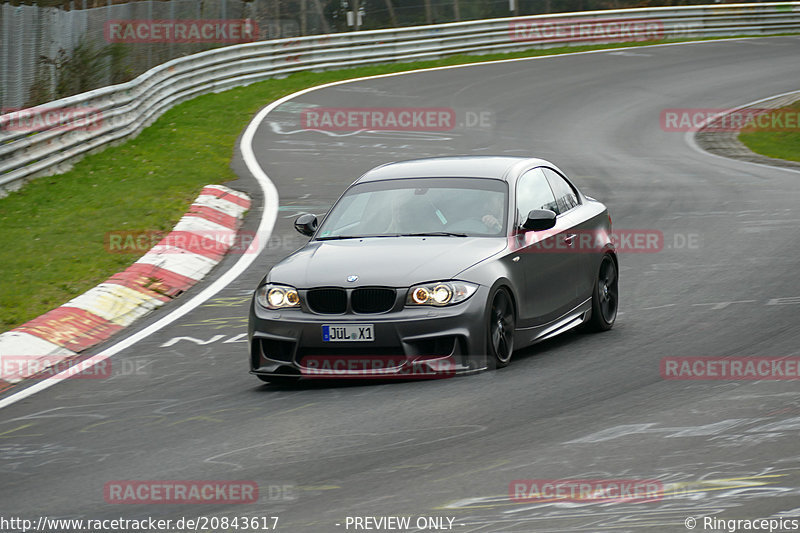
x: 569, y: 238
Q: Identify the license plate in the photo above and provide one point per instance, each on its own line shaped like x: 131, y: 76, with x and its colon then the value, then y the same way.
x: 347, y: 333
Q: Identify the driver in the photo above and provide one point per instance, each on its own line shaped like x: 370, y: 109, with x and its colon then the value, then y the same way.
x: 493, y: 219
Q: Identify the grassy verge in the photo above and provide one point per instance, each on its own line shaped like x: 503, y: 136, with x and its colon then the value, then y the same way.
x: 777, y: 144
x: 53, y: 229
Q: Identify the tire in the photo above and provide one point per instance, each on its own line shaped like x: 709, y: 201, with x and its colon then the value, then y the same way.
x: 605, y: 296
x: 500, y: 329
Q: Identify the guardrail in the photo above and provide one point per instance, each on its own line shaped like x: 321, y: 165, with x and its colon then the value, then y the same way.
x: 47, y: 139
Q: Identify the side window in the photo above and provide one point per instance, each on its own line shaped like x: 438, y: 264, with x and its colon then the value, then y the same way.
x: 566, y: 197
x: 533, y: 192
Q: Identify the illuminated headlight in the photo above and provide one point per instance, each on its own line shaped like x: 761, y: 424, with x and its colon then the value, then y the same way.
x: 277, y: 296
x: 440, y: 293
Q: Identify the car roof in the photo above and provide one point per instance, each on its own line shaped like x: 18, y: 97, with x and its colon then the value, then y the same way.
x: 494, y: 167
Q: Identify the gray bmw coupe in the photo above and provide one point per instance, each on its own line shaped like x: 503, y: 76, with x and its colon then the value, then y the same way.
x: 433, y: 267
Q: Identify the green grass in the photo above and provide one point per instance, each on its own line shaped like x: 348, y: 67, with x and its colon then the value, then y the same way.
x: 53, y: 228
x: 777, y: 144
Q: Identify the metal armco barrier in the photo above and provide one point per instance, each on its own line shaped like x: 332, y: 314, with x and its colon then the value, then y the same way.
x: 47, y: 139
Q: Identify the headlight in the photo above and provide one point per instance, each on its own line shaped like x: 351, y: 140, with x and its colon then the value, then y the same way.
x: 277, y: 296
x: 440, y: 293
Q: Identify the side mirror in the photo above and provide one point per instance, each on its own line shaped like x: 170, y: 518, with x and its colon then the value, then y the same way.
x: 540, y: 219
x: 306, y: 224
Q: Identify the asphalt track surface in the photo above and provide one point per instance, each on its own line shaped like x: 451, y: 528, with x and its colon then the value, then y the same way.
x: 579, y: 406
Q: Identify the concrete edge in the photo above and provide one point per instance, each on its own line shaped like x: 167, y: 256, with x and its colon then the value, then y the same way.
x: 714, y: 137
x: 51, y: 342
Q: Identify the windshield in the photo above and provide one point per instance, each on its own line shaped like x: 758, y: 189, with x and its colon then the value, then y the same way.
x: 419, y: 206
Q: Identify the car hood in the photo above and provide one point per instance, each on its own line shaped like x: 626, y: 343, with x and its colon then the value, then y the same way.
x: 387, y: 261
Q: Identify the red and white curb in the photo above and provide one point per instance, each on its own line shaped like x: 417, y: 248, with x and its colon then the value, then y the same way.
x: 173, y: 265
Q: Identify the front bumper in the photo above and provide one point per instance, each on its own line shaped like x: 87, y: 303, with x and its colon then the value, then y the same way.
x: 408, y: 342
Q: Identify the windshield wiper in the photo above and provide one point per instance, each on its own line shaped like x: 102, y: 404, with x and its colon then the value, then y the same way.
x: 421, y: 234
x: 340, y: 237
x: 434, y: 234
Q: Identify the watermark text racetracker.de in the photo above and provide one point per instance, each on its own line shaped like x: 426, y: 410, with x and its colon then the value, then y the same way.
x: 585, y: 490
x: 433, y: 119
x: 605, y: 30
x: 81, y: 118
x: 203, y: 242
x: 730, y: 368
x: 17, y: 367
x: 377, y: 367
x: 625, y: 241
x: 180, y: 492
x: 181, y: 31
x: 729, y: 120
